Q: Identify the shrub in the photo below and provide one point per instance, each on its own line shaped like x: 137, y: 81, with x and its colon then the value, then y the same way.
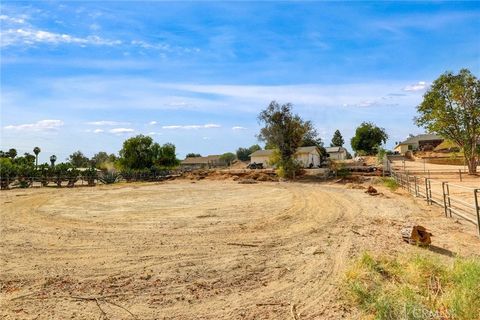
x: 109, y: 177
x: 8, y: 172
x: 415, y: 286
x: 90, y: 175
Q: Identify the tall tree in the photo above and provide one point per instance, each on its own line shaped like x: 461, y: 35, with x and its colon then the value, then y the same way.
x: 285, y: 131
x: 243, y: 154
x: 36, y: 151
x: 101, y: 159
x: 137, y: 153
x: 451, y: 108
x: 79, y: 160
x: 227, y: 158
x: 12, y: 153
x: 368, y: 138
x: 337, y: 139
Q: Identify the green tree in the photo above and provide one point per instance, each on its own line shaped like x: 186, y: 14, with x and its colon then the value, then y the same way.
x: 368, y: 138
x: 227, y: 158
x: 243, y: 154
x: 12, y: 153
x: 193, y: 155
x: 312, y: 138
x: 137, y: 152
x: 164, y: 156
x: 36, y: 151
x: 337, y: 139
x: 78, y: 160
x: 451, y: 108
x: 103, y: 160
x: 285, y: 131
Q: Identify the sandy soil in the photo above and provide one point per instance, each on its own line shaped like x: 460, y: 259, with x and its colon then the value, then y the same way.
x: 204, y: 250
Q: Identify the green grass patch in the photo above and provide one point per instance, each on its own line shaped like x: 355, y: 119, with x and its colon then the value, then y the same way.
x: 390, y: 183
x: 417, y: 286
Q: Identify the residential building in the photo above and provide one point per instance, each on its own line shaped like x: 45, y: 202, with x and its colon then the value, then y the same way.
x: 419, y: 142
x: 307, y: 156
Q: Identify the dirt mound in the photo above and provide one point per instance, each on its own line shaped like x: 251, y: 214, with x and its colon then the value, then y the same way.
x: 235, y: 176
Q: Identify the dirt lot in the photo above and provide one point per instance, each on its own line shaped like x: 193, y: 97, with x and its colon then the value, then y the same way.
x: 200, y: 250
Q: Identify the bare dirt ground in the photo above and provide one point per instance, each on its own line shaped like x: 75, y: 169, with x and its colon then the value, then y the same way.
x: 203, y: 250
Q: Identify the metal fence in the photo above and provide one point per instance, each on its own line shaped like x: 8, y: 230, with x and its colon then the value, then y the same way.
x: 456, y: 200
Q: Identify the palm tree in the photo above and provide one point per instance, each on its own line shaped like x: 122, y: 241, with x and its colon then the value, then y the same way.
x: 36, y: 150
x: 53, y: 158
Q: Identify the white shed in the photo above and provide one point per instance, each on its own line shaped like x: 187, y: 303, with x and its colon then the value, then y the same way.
x: 308, y: 156
x: 337, y: 153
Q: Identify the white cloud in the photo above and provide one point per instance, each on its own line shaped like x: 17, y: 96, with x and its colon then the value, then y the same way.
x: 419, y: 86
x: 194, y: 126
x: 238, y: 128
x: 121, y: 130
x: 152, y: 123
x: 9, y: 19
x: 31, y: 36
x: 42, y: 125
x: 153, y: 133
x: 106, y: 123
x: 98, y: 131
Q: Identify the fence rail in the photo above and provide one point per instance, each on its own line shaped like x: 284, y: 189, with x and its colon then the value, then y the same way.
x: 456, y: 200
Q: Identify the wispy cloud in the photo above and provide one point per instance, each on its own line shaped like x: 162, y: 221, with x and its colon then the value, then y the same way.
x: 121, y: 130
x: 419, y: 86
x: 193, y: 126
x: 152, y: 123
x: 42, y: 125
x: 106, y: 123
x: 238, y: 128
x: 30, y: 36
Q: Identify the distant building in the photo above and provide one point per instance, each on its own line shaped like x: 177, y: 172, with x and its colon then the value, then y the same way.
x: 211, y: 161
x: 337, y: 153
x: 419, y: 142
x: 307, y: 156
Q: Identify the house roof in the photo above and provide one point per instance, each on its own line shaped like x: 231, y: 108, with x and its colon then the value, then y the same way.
x: 269, y: 152
x: 420, y: 137
x: 335, y: 149
x: 201, y: 160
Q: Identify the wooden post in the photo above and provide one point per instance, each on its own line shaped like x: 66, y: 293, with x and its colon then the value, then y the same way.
x: 448, y: 199
x: 430, y: 190
x: 444, y: 198
x: 426, y: 190
x: 476, y: 192
x: 416, y: 186
x: 460, y: 174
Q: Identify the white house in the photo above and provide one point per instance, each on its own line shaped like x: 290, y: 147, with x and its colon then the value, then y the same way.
x: 308, y: 156
x: 337, y: 153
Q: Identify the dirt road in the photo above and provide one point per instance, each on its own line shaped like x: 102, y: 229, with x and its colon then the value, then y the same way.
x: 204, y: 250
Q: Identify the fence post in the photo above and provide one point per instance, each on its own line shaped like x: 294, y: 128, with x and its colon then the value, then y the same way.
x: 408, y: 181
x: 444, y: 198
x: 448, y: 198
x: 460, y: 174
x: 416, y: 186
x: 426, y: 191
x: 477, y: 208
x: 430, y: 190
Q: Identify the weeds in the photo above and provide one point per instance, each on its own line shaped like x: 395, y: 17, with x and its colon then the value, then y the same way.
x: 415, y: 287
x: 390, y: 183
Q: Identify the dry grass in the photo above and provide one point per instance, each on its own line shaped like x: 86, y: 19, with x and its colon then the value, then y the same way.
x: 415, y: 286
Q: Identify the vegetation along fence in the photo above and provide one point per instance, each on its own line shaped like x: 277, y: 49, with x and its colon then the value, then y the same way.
x: 456, y: 200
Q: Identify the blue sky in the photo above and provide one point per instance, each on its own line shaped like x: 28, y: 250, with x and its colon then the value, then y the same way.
x: 87, y: 75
